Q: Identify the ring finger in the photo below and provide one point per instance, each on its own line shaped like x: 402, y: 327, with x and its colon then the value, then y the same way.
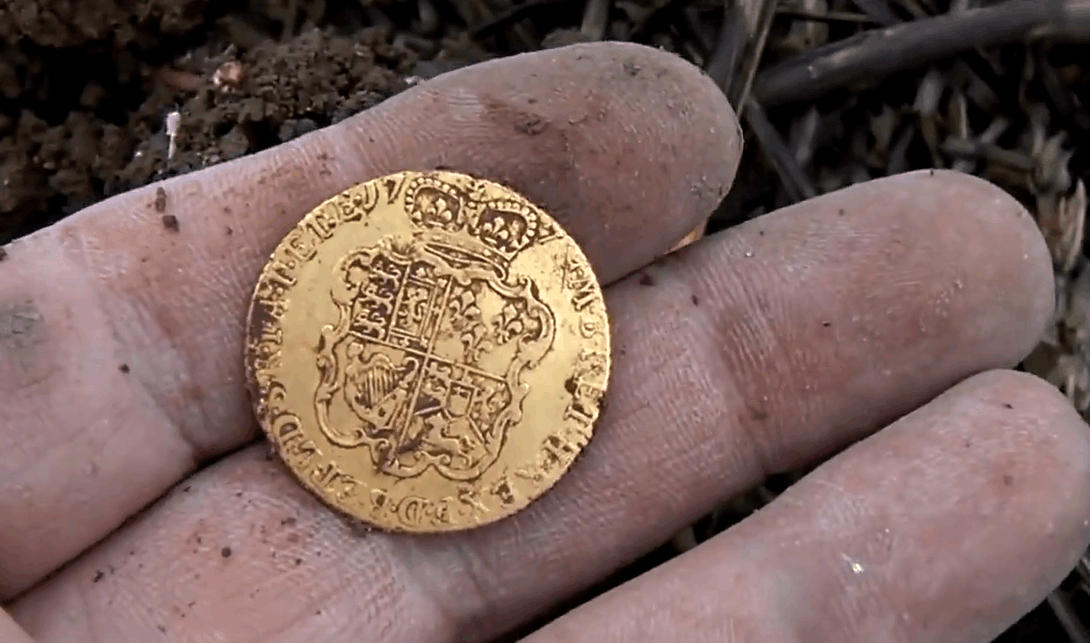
x: 947, y: 526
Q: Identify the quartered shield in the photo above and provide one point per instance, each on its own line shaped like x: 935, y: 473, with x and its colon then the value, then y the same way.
x: 422, y: 368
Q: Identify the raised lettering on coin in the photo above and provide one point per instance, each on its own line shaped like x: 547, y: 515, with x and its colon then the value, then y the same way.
x: 427, y: 351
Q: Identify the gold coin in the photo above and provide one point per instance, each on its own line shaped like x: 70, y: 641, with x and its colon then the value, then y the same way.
x: 427, y: 352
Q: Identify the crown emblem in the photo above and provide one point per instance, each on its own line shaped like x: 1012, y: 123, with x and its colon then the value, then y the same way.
x: 460, y: 227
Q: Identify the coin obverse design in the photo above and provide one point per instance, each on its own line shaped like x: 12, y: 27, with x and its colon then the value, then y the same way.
x: 427, y: 352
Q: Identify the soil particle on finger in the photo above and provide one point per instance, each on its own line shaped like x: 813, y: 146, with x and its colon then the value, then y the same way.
x: 530, y: 124
x: 21, y: 330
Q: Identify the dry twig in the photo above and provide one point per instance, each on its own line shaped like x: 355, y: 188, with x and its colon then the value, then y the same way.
x: 877, y: 53
x: 1065, y: 614
x: 794, y: 179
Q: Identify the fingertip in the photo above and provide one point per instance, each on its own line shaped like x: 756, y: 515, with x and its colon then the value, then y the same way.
x: 1030, y: 415
x: 960, y: 517
x: 966, y: 236
x: 908, y: 284
x: 698, y: 125
x: 628, y: 146
x: 983, y: 217
x: 703, y: 108
x: 1027, y: 418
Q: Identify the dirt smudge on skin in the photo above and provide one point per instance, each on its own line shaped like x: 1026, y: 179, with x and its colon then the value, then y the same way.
x: 530, y: 124
x: 510, y: 116
x: 22, y: 332
x: 19, y: 323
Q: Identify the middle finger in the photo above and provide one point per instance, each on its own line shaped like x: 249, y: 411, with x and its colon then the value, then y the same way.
x: 748, y: 353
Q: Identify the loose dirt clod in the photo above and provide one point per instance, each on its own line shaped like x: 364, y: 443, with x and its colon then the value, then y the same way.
x: 228, y: 76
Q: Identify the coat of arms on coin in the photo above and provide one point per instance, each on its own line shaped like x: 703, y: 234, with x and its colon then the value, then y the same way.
x: 427, y: 351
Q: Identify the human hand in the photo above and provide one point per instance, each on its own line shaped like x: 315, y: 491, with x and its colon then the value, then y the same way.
x: 750, y: 352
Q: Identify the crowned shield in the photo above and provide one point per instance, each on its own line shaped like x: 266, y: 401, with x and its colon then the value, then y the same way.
x: 423, y: 367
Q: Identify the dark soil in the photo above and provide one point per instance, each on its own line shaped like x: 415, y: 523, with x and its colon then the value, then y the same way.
x: 84, y: 97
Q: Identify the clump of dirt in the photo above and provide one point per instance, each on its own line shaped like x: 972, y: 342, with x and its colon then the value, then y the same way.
x: 275, y: 92
x: 85, y: 101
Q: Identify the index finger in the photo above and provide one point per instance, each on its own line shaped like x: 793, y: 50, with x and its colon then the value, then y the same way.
x: 121, y: 328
